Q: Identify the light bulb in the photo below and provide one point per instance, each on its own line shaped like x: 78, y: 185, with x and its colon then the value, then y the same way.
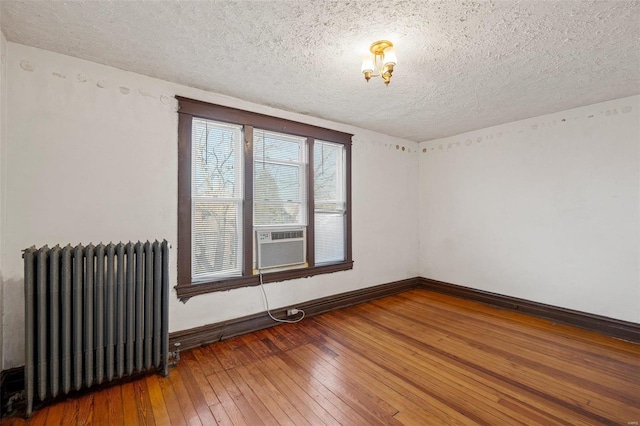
x: 390, y: 56
x: 367, y: 64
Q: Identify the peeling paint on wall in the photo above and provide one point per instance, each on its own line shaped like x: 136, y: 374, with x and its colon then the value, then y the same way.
x: 525, y: 127
x: 102, y: 83
x: 26, y: 65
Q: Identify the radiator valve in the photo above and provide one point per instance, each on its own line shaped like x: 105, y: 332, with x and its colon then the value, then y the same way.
x: 175, y: 354
x: 14, y: 399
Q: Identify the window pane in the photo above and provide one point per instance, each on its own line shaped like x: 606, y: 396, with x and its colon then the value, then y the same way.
x: 216, y: 238
x: 276, y: 182
x: 279, y: 179
x: 278, y: 214
x: 330, y: 205
x: 277, y: 146
x: 329, y: 237
x: 216, y: 183
x: 216, y: 159
x: 328, y: 174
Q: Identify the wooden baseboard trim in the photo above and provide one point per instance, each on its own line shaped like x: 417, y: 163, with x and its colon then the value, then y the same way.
x: 609, y: 326
x: 223, y: 330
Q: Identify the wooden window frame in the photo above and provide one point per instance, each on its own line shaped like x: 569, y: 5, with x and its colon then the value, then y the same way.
x: 189, y: 109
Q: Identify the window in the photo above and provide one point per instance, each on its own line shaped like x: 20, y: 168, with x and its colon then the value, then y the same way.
x: 244, y: 176
x: 330, y: 202
x: 216, y: 199
x: 279, y: 179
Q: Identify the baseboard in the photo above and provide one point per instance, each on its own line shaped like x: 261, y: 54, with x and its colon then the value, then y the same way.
x: 609, y: 326
x: 223, y: 330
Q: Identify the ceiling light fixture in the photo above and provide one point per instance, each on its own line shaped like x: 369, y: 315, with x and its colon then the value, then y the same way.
x: 382, y: 61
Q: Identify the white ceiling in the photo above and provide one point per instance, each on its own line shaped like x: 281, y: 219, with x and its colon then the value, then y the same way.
x: 462, y: 65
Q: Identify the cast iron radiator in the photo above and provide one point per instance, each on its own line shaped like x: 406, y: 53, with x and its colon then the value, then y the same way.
x: 93, y: 314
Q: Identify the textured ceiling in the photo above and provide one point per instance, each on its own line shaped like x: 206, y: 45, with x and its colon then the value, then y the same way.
x: 462, y: 65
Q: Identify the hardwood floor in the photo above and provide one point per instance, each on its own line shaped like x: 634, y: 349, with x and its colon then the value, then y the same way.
x: 418, y: 358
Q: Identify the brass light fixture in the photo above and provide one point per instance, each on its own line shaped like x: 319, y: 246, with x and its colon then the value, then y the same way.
x: 381, y: 63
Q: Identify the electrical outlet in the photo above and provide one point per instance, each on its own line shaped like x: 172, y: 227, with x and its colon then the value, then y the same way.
x: 292, y: 312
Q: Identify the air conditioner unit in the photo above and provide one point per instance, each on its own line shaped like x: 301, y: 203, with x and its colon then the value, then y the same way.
x: 280, y: 247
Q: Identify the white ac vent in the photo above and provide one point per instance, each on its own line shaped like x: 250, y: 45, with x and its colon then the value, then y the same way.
x: 281, y: 247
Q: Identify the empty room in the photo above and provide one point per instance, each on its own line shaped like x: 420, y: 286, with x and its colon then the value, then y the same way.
x: 318, y: 212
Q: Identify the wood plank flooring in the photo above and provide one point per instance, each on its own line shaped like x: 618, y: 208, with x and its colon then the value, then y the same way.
x: 418, y: 358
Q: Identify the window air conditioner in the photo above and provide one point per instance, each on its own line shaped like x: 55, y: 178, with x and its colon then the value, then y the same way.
x: 280, y: 247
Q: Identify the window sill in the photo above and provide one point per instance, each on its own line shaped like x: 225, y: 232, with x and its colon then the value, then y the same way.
x: 186, y: 291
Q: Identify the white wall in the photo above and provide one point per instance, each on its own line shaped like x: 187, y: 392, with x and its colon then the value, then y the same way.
x: 91, y: 155
x: 545, y: 209
x: 3, y: 81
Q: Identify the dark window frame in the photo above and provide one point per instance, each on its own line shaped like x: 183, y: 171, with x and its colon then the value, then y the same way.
x: 189, y: 109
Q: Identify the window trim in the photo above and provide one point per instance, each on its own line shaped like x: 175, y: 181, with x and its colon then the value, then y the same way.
x: 189, y: 109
